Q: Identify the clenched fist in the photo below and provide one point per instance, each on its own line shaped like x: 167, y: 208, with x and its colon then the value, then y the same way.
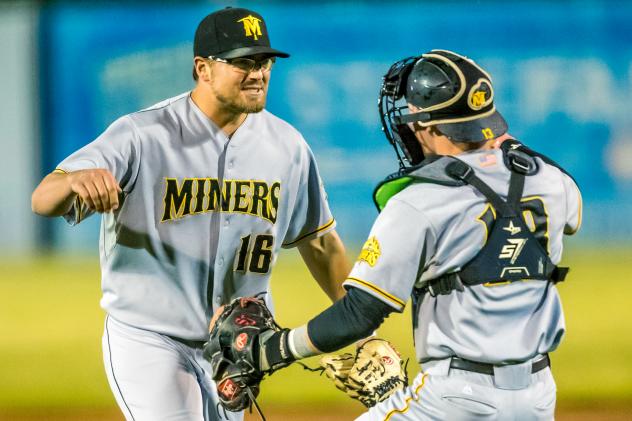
x: 97, y: 188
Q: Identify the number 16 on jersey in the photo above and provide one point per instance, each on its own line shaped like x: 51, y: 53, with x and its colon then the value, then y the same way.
x: 254, y: 255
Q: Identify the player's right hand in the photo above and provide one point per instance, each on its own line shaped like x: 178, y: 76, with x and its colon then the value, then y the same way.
x: 97, y: 188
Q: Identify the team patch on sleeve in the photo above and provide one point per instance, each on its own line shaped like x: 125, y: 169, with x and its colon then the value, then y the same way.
x: 370, y: 251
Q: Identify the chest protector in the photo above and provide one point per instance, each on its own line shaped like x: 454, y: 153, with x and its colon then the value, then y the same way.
x: 511, y: 252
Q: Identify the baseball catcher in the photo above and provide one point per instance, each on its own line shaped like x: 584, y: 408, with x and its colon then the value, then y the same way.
x: 246, y: 343
x: 471, y: 229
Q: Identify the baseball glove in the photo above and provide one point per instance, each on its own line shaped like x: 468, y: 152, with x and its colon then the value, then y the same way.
x: 233, y: 351
x: 337, y: 368
x: 373, y: 375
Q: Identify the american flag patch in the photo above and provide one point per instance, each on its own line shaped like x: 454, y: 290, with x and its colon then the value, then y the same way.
x: 487, y: 160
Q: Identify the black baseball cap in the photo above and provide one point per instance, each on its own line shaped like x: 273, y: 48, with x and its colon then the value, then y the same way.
x: 231, y: 33
x: 456, y: 95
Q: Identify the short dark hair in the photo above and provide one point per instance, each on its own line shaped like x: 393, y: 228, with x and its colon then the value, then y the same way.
x: 195, y: 75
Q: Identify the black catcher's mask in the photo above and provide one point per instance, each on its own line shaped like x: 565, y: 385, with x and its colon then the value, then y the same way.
x: 451, y: 92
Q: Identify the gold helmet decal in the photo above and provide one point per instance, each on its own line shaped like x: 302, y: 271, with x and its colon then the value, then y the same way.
x: 481, y: 95
x: 370, y: 251
x: 251, y: 26
x: 487, y: 133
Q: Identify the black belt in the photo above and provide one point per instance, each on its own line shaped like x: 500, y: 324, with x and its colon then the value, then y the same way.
x: 484, y: 368
x: 189, y: 342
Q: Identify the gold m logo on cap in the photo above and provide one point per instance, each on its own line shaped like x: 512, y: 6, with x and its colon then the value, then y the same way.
x: 251, y: 26
x: 478, y: 98
x: 481, y: 95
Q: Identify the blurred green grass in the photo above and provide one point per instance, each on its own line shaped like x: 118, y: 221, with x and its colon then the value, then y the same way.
x: 51, y: 325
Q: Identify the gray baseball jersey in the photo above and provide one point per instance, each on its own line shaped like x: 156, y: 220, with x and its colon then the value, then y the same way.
x: 427, y: 230
x: 202, y: 217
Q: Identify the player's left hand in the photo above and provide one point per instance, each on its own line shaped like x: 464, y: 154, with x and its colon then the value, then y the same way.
x: 337, y: 368
x: 233, y: 350
x: 373, y: 375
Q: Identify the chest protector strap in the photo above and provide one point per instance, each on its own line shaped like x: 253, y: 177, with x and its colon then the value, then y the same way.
x: 511, y: 252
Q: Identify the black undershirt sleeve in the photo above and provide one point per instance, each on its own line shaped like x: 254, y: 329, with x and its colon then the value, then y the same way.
x: 348, y: 320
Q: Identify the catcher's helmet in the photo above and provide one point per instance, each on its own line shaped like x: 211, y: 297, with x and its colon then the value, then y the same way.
x: 451, y: 92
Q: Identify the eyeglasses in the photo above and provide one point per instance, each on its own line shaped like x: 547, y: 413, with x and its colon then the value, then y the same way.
x: 247, y: 65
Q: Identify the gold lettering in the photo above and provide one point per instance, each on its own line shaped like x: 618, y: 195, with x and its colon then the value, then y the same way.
x: 177, y: 201
x: 227, y: 194
x: 275, y: 192
x: 200, y: 194
x: 252, y: 197
x: 214, y: 194
x: 242, y: 201
x: 260, y: 199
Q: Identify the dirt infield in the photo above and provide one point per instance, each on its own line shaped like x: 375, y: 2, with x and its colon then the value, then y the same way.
x: 294, y: 414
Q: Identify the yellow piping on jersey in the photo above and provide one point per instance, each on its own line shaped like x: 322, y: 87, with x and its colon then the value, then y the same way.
x: 496, y: 284
x: 408, y: 400
x: 319, y: 229
x: 400, y: 303
x: 59, y: 171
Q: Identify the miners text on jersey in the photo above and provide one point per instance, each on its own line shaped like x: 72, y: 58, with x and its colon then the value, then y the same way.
x: 193, y: 196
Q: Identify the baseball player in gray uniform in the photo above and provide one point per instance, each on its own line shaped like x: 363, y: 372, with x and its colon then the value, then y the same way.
x: 471, y: 228
x: 197, y: 193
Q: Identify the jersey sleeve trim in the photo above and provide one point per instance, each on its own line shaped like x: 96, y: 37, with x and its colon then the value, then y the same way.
x: 59, y: 171
x: 390, y: 299
x: 328, y: 225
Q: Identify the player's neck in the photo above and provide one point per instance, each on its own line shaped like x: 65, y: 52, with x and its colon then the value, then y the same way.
x: 224, y: 118
x: 443, y: 146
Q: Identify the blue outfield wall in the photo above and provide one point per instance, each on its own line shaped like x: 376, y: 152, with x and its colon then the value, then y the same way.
x: 562, y: 73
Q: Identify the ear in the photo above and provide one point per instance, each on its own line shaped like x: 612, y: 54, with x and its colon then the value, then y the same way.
x: 202, y: 68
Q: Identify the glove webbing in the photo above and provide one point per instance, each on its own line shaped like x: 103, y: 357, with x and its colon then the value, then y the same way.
x: 252, y: 400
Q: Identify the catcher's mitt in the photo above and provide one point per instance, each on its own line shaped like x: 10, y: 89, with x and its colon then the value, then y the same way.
x: 337, y: 368
x: 376, y: 372
x: 233, y: 351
